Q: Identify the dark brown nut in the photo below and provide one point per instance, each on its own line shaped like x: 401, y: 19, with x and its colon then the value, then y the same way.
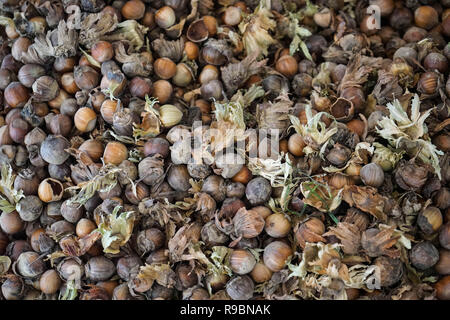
x: 258, y: 191
x: 216, y: 187
x: 128, y: 267
x: 150, y: 240
x: 30, y: 208
x: 72, y: 212
x: 30, y: 264
x: 53, y: 149
x: 391, y: 270
x: 212, y: 236
x: 240, y: 288
x: 99, y: 268
x: 424, y: 255
x: 276, y: 255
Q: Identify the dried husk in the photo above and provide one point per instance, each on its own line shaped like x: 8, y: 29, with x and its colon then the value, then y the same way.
x: 94, y: 26
x: 173, y: 50
x: 366, y: 199
x: 376, y: 242
x: 349, y: 236
x: 133, y: 64
x: 275, y: 115
x: 116, y: 230
x: 255, y: 29
x: 234, y: 75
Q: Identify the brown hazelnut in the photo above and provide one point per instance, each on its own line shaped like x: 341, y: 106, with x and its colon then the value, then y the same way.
x: 276, y: 255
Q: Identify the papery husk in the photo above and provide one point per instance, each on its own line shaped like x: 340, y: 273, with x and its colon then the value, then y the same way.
x: 229, y: 125
x: 358, y: 70
x: 103, y: 181
x: 129, y: 30
x: 247, y: 223
x: 255, y: 29
x: 276, y: 171
x: 161, y: 273
x: 116, y: 230
x: 387, y: 87
x: 52, y: 10
x: 422, y: 291
x: 321, y: 263
x: 315, y: 259
x: 5, y: 264
x: 133, y: 64
x: 381, y: 243
x: 349, y: 236
x: 206, y: 206
x: 335, y: 54
x: 162, y: 213
x: 94, y: 26
x: 320, y: 195
x: 205, y: 7
x: 315, y: 134
x: 386, y: 157
x: 322, y: 80
x: 182, y: 239
x: 234, y: 75
x: 173, y: 50
x: 221, y: 45
x: 279, y: 287
x: 409, y: 132
x: 40, y: 52
x: 75, y: 246
x: 366, y: 199
x: 275, y: 115
x: 13, y: 196
x: 150, y: 125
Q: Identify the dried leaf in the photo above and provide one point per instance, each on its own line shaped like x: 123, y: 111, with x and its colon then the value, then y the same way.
x: 315, y: 133
x: 366, y: 199
x: 408, y: 132
x: 7, y: 188
x: 349, y: 236
x: 5, y: 263
x: 116, y: 230
x: 104, y: 181
x: 320, y: 195
x: 94, y: 26
x: 377, y: 242
x: 275, y: 115
x: 255, y: 27
x: 161, y: 273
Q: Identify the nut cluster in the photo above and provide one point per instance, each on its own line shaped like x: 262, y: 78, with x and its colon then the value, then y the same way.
x: 268, y: 149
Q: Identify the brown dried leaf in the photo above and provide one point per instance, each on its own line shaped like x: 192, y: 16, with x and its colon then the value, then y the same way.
x: 235, y: 74
x: 161, y: 273
x: 366, y: 199
x: 275, y: 115
x: 349, y: 235
x: 376, y: 243
x: 358, y: 71
x: 184, y: 237
x: 94, y: 26
x: 76, y: 247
